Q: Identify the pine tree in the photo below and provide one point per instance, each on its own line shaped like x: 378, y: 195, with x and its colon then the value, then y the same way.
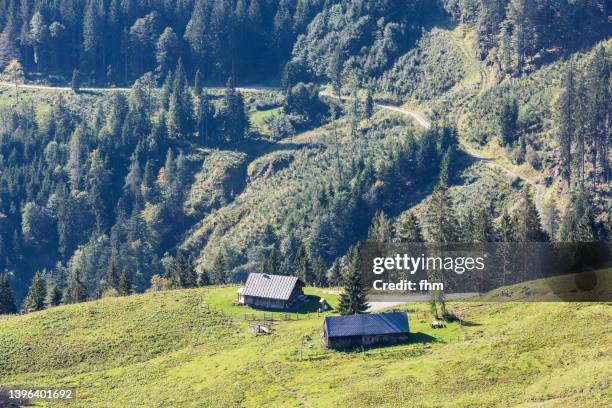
x: 198, y: 85
x: 204, y: 278
x: 75, y: 83
x: 353, y: 299
x: 219, y: 270
x: 578, y: 223
x: 7, y: 300
x: 368, y: 108
x: 35, y: 300
x: 483, y: 231
x: 334, y: 277
x: 235, y: 119
x: 408, y: 229
x: 55, y: 296
x: 508, y: 117
x: 180, y: 107
x: 175, y: 274
x: 271, y: 264
x: 76, y: 291
x: 112, y: 276
x: 189, y: 276
x: 319, y: 272
x: 381, y: 229
x: 441, y: 216
x: 125, y: 282
x: 565, y: 123
x: 526, y: 222
x: 303, y: 269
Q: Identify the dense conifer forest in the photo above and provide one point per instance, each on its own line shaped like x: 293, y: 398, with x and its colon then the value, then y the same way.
x: 225, y: 157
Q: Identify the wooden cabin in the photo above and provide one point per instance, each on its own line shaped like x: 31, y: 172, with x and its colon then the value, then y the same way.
x: 340, y: 332
x: 270, y: 291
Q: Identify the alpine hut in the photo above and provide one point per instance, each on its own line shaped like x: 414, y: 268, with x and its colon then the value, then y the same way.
x: 270, y: 291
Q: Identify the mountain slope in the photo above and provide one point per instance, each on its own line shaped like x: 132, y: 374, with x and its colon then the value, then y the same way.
x: 177, y: 352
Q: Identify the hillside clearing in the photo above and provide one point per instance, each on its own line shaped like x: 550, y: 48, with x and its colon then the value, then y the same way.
x: 177, y: 351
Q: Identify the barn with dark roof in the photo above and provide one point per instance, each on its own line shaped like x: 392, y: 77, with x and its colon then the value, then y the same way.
x: 270, y: 291
x: 365, y: 329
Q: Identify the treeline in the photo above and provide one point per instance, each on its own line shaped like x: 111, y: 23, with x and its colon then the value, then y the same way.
x: 118, y: 41
x: 515, y: 33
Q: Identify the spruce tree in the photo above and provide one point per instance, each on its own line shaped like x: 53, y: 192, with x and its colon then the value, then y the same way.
x: 112, y: 276
x: 198, y: 85
x: 353, y: 299
x: 508, y: 117
x: 76, y: 291
x: 219, y: 270
x: 526, y: 222
x: 565, y: 123
x: 441, y: 216
x: 319, y: 272
x: 75, y: 83
x: 37, y: 294
x: 7, y: 300
x: 125, y: 282
x: 55, y: 296
x: 204, y: 278
x: 408, y: 229
x: 303, y: 268
x: 335, y: 274
x: 271, y: 264
x: 189, y: 276
x: 381, y: 229
x: 368, y: 108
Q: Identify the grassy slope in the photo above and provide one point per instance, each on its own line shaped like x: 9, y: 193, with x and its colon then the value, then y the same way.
x: 166, y: 349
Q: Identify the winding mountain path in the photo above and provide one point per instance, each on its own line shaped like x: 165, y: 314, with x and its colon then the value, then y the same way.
x: 422, y: 121
x: 418, y: 117
x: 247, y: 88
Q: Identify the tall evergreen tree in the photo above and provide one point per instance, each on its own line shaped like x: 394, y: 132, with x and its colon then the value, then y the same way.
x: 7, y: 300
x: 334, y: 276
x: 35, y: 300
x: 526, y: 222
x: 353, y: 298
x: 303, y: 268
x: 565, y: 123
x: 125, y: 282
x: 55, y: 295
x: 76, y: 291
x: 218, y: 271
x: 318, y: 270
x: 381, y: 229
x: 408, y: 228
x: 441, y: 216
x: 112, y: 276
x: 271, y: 264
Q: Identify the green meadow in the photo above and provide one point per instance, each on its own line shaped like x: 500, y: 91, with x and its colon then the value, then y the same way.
x: 193, y: 348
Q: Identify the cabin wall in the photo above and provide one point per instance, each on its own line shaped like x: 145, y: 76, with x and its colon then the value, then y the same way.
x: 356, y: 341
x: 264, y: 302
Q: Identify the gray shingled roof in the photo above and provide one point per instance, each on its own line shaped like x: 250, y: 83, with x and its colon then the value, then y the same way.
x: 367, y: 324
x: 269, y: 286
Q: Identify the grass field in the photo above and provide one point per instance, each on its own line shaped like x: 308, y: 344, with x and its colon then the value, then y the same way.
x: 192, y: 348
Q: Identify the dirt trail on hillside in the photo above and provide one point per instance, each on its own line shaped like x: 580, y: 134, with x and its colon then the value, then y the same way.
x: 247, y: 88
x: 418, y: 117
x: 487, y: 161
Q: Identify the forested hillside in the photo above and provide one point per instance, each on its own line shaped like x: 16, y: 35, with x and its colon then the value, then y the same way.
x: 187, y: 179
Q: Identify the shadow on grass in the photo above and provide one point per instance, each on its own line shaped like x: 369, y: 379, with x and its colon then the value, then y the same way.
x: 415, y: 338
x: 467, y: 323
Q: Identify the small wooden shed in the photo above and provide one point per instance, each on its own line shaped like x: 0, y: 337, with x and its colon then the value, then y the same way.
x: 341, y: 332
